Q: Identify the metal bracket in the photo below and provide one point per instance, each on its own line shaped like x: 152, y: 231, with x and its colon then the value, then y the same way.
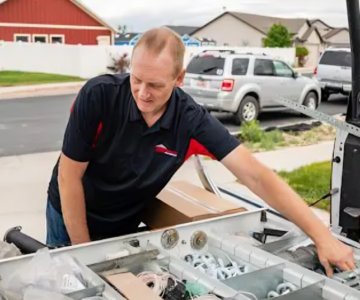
x: 353, y: 212
x: 319, y: 116
x: 206, y: 180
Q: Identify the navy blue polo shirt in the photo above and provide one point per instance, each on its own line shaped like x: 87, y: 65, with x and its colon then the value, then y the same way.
x: 130, y: 163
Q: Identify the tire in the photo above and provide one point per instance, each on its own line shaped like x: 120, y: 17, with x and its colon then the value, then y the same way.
x: 248, y: 110
x: 311, y: 101
x: 324, y: 96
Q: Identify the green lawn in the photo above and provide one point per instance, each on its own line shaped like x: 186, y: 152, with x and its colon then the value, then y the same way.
x: 311, y: 182
x: 16, y: 78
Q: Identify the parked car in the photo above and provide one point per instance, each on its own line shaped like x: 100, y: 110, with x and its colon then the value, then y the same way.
x: 246, y: 84
x: 334, y: 72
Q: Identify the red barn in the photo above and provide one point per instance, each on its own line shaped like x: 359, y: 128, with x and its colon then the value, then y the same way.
x: 52, y: 21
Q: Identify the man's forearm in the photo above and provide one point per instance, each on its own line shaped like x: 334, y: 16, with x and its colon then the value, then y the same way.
x: 280, y: 196
x: 74, y: 210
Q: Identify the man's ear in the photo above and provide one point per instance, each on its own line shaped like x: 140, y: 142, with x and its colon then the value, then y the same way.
x: 180, y: 79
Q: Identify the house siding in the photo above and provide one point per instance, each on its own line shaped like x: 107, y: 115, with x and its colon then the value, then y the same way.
x: 230, y: 30
x: 72, y: 36
x: 302, y: 31
x: 52, y: 12
x: 313, y: 45
x: 342, y: 37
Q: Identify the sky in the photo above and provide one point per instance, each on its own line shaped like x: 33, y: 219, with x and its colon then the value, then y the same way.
x: 140, y: 15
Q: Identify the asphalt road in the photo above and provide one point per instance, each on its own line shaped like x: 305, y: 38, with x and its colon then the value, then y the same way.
x: 31, y: 125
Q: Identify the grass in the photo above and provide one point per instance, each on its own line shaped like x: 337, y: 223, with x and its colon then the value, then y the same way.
x: 311, y: 182
x: 17, y: 78
x: 258, y: 140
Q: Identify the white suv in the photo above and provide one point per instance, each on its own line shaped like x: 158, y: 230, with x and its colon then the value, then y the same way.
x: 334, y: 72
x: 246, y: 84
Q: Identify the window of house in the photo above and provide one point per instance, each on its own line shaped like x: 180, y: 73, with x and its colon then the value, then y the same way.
x: 264, y: 67
x: 22, y: 38
x: 57, y: 39
x: 40, y: 38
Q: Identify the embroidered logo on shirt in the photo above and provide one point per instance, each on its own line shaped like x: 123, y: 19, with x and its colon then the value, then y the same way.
x: 162, y: 149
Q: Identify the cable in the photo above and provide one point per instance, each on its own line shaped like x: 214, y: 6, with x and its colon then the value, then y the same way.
x: 157, y: 282
x: 205, y: 297
x: 330, y: 193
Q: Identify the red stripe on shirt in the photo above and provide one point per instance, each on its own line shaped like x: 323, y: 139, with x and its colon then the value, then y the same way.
x: 99, y: 128
x: 196, y: 148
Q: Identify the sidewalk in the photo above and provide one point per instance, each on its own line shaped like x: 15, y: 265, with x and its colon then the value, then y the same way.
x: 24, y: 180
x: 40, y: 90
x: 66, y: 88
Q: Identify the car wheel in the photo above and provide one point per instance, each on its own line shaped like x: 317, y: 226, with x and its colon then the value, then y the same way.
x: 311, y: 101
x: 248, y: 110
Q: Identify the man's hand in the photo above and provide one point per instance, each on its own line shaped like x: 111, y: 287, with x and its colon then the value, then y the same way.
x: 279, y: 195
x: 331, y: 253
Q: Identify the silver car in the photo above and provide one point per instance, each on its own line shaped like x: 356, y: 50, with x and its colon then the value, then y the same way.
x: 333, y: 72
x: 246, y: 84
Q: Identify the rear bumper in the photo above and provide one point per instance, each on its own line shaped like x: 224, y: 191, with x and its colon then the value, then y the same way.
x: 335, y: 87
x: 219, y: 104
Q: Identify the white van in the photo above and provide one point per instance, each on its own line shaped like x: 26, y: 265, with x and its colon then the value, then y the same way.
x: 334, y: 72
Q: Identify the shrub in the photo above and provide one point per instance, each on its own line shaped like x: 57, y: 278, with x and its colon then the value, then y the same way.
x: 302, y: 54
x: 251, y: 132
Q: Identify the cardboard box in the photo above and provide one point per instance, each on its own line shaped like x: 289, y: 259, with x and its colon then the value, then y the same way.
x: 132, y: 287
x: 181, y: 202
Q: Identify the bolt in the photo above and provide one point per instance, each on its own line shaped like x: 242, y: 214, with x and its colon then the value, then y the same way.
x: 337, y: 159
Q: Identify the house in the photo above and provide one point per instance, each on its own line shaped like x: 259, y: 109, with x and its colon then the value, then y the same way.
x: 189, y: 41
x: 182, y: 30
x: 127, y: 39
x: 236, y: 29
x: 332, y: 36
x: 186, y: 31
x: 52, y: 21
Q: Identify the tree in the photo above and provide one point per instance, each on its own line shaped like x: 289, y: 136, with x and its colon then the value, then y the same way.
x: 278, y: 36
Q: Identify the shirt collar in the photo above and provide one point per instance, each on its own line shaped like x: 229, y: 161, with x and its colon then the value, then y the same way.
x: 166, y: 119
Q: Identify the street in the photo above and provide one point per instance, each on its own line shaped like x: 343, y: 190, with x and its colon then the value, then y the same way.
x: 37, y: 124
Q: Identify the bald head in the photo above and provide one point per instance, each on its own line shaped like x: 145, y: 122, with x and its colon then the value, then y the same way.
x: 160, y: 40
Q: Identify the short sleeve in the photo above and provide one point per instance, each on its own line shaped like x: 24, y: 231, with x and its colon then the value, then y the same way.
x: 208, y: 131
x: 83, y: 124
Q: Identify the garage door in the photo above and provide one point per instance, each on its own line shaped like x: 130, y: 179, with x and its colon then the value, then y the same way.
x: 314, y: 53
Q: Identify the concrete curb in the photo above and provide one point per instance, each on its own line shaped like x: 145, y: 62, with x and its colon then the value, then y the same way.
x: 13, y: 92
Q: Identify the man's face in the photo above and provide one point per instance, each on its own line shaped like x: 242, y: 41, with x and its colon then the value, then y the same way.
x: 152, y: 80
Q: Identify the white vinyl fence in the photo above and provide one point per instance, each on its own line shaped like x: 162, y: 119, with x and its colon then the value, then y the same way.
x: 90, y: 61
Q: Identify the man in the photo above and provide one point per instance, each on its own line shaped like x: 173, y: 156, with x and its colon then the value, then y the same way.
x: 128, y: 134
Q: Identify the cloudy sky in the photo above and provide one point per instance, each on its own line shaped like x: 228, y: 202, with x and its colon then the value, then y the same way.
x: 140, y: 15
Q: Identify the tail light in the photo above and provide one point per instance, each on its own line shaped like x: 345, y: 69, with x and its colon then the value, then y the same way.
x: 227, y: 85
x: 315, y: 71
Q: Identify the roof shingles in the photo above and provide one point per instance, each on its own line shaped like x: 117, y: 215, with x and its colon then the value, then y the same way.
x: 264, y: 23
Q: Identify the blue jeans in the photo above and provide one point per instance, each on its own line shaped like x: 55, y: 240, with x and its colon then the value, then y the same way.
x: 57, y: 235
